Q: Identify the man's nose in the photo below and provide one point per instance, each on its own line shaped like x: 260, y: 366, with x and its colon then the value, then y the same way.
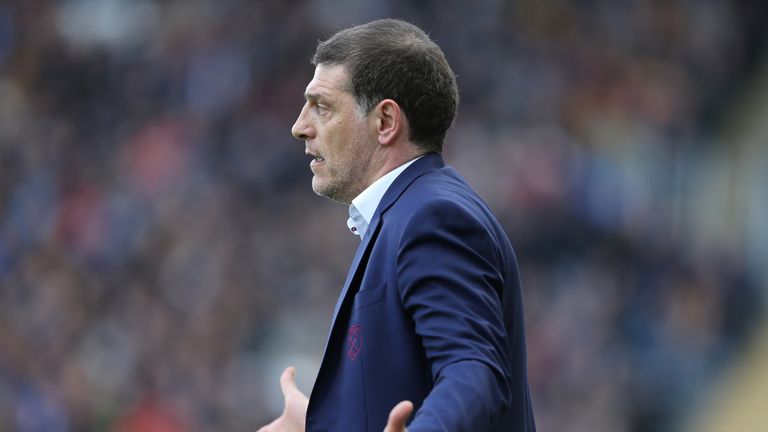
x: 301, y: 128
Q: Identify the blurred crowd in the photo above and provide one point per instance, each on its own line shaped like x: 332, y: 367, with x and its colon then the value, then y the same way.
x: 162, y: 255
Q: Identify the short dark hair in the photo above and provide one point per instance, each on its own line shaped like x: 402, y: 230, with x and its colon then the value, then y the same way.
x: 393, y: 59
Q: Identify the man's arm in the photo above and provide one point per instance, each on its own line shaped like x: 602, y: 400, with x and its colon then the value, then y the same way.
x: 451, y: 283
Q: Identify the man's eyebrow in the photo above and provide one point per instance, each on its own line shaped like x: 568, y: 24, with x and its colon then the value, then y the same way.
x: 313, y: 96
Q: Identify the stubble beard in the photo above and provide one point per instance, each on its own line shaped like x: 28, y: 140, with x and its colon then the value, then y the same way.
x: 346, y: 178
x: 342, y: 185
x: 333, y: 191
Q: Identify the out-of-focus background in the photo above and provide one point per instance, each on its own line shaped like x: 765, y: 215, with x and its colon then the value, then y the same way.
x: 162, y: 255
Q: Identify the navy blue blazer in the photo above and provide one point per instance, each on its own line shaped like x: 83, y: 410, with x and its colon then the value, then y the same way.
x: 431, y: 312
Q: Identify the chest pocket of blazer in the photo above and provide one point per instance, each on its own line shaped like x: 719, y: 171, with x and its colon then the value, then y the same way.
x: 369, y: 294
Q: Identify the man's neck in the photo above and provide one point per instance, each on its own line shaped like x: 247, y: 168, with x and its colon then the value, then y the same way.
x: 392, y: 162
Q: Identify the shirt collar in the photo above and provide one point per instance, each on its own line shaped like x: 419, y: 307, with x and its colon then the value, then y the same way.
x: 364, y: 205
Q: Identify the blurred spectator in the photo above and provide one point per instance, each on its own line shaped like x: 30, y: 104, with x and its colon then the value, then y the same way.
x: 157, y: 225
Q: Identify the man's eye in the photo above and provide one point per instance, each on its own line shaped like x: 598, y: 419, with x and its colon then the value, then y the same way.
x: 321, y: 109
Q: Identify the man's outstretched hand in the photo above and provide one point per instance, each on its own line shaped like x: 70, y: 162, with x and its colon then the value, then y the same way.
x: 295, y: 413
x: 398, y: 416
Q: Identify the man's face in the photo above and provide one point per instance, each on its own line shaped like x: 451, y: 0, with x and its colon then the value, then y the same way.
x: 336, y: 135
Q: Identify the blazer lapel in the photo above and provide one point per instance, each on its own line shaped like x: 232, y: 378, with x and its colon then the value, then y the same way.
x: 362, y: 250
x: 427, y: 163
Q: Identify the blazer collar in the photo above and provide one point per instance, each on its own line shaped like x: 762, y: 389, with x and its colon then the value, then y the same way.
x: 430, y: 162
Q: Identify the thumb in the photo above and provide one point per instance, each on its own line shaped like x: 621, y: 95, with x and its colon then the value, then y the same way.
x: 288, y: 381
x: 398, y: 416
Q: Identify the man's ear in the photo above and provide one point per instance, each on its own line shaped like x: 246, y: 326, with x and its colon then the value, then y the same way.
x: 389, y: 121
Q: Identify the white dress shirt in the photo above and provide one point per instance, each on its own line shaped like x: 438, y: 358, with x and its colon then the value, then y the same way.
x: 364, y: 205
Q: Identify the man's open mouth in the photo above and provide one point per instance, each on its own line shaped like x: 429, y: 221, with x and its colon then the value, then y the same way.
x: 315, y: 158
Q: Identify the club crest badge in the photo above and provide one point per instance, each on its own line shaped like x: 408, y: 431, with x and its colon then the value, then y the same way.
x: 354, y: 341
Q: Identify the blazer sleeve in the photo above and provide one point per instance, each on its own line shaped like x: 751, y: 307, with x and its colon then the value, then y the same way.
x: 451, y: 282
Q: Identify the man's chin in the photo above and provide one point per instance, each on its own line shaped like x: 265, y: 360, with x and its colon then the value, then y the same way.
x: 329, y: 191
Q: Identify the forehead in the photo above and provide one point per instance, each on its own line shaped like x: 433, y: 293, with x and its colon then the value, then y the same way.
x: 329, y: 80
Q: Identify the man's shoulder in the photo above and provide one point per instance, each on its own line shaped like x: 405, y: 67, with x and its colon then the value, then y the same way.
x: 443, y: 186
x: 444, y: 197
x: 440, y: 195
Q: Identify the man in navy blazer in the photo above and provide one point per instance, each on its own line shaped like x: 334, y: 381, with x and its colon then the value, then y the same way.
x: 430, y: 317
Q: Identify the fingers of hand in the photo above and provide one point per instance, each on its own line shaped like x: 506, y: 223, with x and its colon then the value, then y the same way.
x: 288, y: 381
x: 398, y: 416
x: 267, y: 428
